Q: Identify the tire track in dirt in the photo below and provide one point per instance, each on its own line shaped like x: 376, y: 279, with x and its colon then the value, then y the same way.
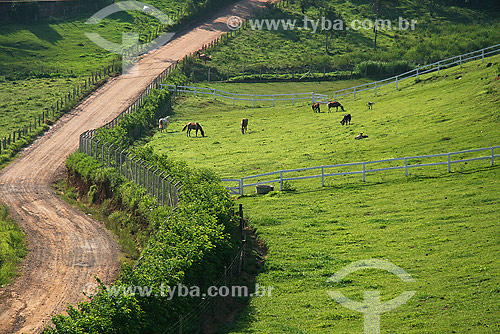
x: 66, y: 248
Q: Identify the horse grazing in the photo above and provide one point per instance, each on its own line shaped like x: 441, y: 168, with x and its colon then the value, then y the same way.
x: 370, y: 104
x: 335, y: 104
x: 193, y: 126
x: 163, y: 123
x: 315, y: 107
x: 346, y: 120
x: 244, y: 124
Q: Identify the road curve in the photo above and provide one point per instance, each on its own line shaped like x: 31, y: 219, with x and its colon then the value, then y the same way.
x: 66, y: 248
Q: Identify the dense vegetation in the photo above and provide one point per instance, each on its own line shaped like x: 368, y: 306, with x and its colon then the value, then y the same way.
x: 12, y: 247
x: 441, y: 227
x: 443, y: 30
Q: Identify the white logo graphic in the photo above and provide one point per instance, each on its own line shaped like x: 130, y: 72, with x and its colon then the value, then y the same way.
x: 130, y: 48
x: 234, y: 22
x: 372, y: 308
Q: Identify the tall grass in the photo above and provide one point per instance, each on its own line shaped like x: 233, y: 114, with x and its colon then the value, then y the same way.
x: 12, y: 247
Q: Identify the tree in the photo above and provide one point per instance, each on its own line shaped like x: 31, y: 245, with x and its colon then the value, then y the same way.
x: 376, y: 5
x: 329, y: 17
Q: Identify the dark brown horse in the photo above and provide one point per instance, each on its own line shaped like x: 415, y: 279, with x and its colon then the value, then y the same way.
x: 193, y: 126
x: 346, y: 120
x: 244, y: 124
x: 315, y: 107
x: 335, y: 104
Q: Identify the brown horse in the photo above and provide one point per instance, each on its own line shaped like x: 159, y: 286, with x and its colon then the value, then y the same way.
x: 193, y: 126
x: 335, y: 104
x: 315, y: 107
x: 244, y: 124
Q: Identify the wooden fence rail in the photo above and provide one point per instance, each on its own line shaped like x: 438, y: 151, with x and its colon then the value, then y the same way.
x: 406, y: 164
x: 416, y: 73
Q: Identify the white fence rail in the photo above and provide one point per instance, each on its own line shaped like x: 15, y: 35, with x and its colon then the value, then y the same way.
x: 254, y: 98
x: 437, y: 66
x: 325, y: 171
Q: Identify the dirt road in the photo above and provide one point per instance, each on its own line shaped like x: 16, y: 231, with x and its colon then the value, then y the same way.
x: 66, y: 248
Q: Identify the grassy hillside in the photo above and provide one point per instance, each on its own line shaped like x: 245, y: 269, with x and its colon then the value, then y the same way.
x: 442, y: 228
x: 448, y: 31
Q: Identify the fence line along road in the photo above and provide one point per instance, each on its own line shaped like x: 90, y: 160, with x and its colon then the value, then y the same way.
x: 293, y: 97
x: 437, y: 66
x: 324, y: 173
x: 158, y: 184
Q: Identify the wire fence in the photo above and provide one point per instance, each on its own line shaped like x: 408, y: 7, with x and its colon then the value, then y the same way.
x: 254, y: 98
x: 416, y: 73
x: 197, y: 320
x: 157, y: 183
x: 326, y: 171
x: 62, y: 105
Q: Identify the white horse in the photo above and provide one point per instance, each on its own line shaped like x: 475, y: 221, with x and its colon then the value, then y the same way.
x: 163, y: 123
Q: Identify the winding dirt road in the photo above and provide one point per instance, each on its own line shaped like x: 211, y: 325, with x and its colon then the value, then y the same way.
x: 66, y: 248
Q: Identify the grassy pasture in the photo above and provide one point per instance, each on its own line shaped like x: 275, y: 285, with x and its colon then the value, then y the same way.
x: 438, y: 115
x: 440, y: 227
x: 23, y: 100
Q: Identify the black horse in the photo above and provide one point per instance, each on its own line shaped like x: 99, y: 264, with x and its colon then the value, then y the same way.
x: 193, y: 126
x: 346, y: 120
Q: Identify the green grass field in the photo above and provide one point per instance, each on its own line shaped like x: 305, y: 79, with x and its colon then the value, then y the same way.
x: 18, y: 109
x: 12, y: 247
x: 440, y: 227
x: 449, y: 32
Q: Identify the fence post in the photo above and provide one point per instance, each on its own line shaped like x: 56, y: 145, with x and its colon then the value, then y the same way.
x: 492, y: 156
x: 375, y: 88
x: 449, y: 163
x: 397, y: 82
x: 273, y: 100
x: 281, y: 180
x: 406, y: 167
x: 240, y: 214
x: 312, y: 97
x: 241, y: 187
x: 293, y: 99
x: 364, y: 172
x: 482, y: 55
x: 417, y: 74
x: 334, y: 96
x: 322, y: 176
x: 102, y: 155
x: 233, y: 99
x: 214, y: 93
x: 355, y: 93
x: 439, y: 67
x: 253, y: 101
x: 460, y: 61
x: 194, y: 92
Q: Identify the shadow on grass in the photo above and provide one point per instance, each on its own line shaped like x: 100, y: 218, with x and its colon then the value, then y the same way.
x: 45, y: 32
